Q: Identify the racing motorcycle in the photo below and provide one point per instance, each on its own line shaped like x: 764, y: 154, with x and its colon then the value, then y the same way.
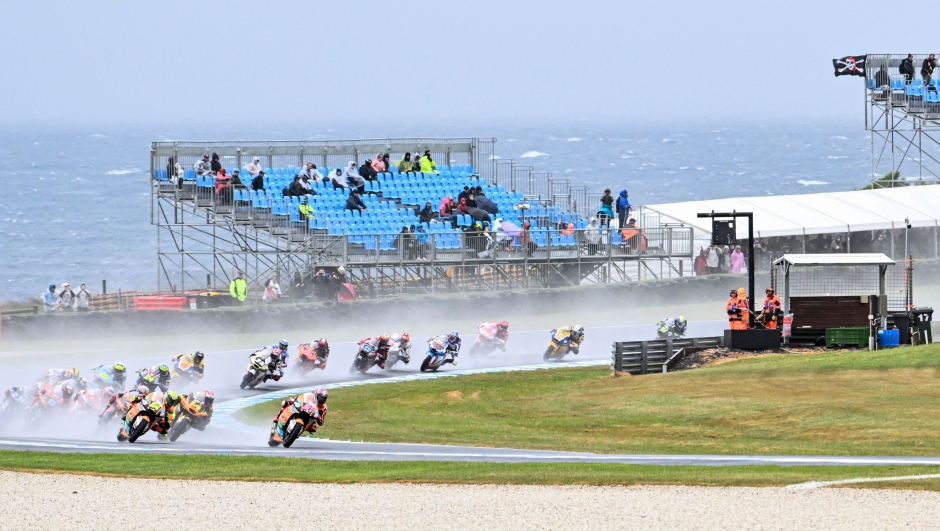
x: 191, y: 413
x: 142, y: 417
x: 15, y: 402
x: 257, y: 368
x: 294, y: 419
x: 560, y: 345
x: 437, y: 356
x: 486, y: 342
x: 398, y: 353
x: 365, y: 359
x: 308, y: 360
x: 183, y: 371
x: 104, y: 377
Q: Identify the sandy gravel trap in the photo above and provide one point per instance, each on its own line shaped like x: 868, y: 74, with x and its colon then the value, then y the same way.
x: 64, y: 501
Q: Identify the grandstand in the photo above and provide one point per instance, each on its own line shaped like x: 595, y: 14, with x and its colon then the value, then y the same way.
x: 262, y: 232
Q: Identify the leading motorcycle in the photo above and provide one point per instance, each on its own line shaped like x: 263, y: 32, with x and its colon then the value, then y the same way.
x: 293, y: 420
x: 561, y: 344
x: 142, y: 417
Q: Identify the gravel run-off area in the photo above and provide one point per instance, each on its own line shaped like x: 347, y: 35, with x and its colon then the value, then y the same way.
x: 65, y: 501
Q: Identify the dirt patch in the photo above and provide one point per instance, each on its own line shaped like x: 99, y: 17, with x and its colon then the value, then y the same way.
x: 475, y: 395
x: 715, y: 356
x: 454, y: 394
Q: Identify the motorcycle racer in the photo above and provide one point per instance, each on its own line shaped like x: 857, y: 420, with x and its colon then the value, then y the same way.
x: 496, y: 332
x: 380, y: 346
x: 58, y: 396
x: 110, y: 376
x: 317, y: 398
x: 315, y: 352
x: 277, y: 359
x: 14, y: 399
x: 207, y: 399
x: 155, y: 377
x: 402, y: 343
x: 447, y: 345
x: 574, y: 334
x: 120, y: 403
x: 194, y: 362
x: 54, y: 376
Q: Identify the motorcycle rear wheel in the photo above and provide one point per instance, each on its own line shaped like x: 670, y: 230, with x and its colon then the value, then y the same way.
x: 179, y: 429
x: 475, y: 349
x: 293, y: 434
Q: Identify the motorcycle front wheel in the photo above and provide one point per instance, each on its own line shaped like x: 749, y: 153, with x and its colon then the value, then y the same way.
x: 140, y: 427
x: 291, y: 436
x: 548, y: 353
x: 246, y: 380
x: 426, y: 363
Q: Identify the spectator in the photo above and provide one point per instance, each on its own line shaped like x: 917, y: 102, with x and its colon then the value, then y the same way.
x: 484, y: 203
x: 880, y: 245
x: 464, y: 194
x: 525, y: 239
x: 215, y: 165
x: 366, y: 171
x: 258, y: 182
x: 568, y: 230
x: 606, y: 211
x: 271, y: 291
x: 306, y: 211
x: 203, y: 167
x: 471, y: 199
x: 298, y: 289
x: 837, y: 246
x: 907, y: 68
x: 297, y: 188
x: 66, y: 300
x: 311, y: 173
x: 462, y: 207
x: 427, y: 164
x: 416, y: 163
x: 223, y: 186
x: 386, y: 162
x: 238, y: 289
x: 340, y: 274
x: 926, y: 69
x: 237, y: 181
x: 337, y: 180
x: 713, y: 259
x: 305, y: 182
x: 405, y: 164
x: 701, y: 268
x: 377, y: 165
x: 320, y: 285
x: 623, y: 208
x: 354, y: 203
x: 50, y: 300
x: 447, y: 210
x: 592, y: 236
x: 423, y: 240
x: 724, y: 258
x: 354, y: 179
x: 426, y: 214
x: 254, y: 167
x: 175, y: 172
x: 882, y: 79
x: 406, y: 243
x: 737, y: 261
x: 82, y: 298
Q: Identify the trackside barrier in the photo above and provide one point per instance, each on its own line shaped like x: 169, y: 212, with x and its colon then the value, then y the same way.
x: 643, y: 357
x: 160, y: 303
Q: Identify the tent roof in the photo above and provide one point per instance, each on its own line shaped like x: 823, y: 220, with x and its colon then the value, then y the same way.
x: 826, y: 213
x: 838, y: 259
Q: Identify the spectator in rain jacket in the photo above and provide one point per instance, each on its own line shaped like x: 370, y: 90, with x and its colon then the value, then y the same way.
x: 427, y: 164
x: 737, y: 260
x: 405, y: 164
x: 593, y: 236
x: 447, y: 210
x: 254, y: 167
x: 426, y: 214
x: 353, y: 179
x: 258, y: 182
x: 311, y: 173
x: 215, y: 165
x: 462, y: 207
x: 238, y: 289
x: 623, y: 208
x: 337, y: 180
x: 50, y: 300
x: 377, y: 165
x: 354, y: 203
x: 366, y: 171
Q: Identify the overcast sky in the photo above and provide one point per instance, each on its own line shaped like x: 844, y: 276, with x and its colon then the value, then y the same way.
x: 232, y: 61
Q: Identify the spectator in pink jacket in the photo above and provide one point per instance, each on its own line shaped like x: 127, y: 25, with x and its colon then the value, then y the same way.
x: 737, y: 260
x: 377, y: 163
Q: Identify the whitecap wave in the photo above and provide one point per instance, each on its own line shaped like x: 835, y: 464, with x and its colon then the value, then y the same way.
x: 99, y: 135
x: 811, y: 183
x: 668, y: 140
x: 574, y: 139
x: 840, y: 137
x: 122, y: 172
x: 532, y: 155
x: 838, y: 157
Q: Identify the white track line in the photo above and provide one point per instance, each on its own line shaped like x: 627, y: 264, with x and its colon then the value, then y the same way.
x: 818, y: 484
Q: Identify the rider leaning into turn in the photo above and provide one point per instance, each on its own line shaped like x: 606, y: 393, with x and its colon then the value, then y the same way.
x: 277, y: 360
x: 498, y: 332
x: 402, y: 342
x: 380, y: 346
x: 171, y: 401
x: 120, y: 403
x: 318, y: 398
x: 114, y: 375
x: 196, y: 361
x: 54, y: 376
x: 450, y: 343
x: 156, y: 376
x: 575, y: 335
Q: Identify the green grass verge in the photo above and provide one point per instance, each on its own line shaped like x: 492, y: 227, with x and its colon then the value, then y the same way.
x: 839, y: 403
x: 306, y: 470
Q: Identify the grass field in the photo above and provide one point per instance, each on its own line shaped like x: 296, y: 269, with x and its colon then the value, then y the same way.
x: 850, y: 403
x: 306, y: 470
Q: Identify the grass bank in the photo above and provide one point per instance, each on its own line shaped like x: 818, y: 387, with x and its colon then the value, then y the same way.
x: 850, y: 403
x: 324, y: 471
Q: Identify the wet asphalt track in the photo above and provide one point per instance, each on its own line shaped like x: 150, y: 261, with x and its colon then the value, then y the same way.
x: 225, y: 436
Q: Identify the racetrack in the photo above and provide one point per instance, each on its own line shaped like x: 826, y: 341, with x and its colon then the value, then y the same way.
x: 225, y: 436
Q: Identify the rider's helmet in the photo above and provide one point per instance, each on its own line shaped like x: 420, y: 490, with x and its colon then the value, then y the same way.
x: 171, y: 398
x: 73, y: 372
x: 210, y: 395
x: 119, y: 368
x: 198, y: 356
x: 17, y: 389
x: 322, y: 395
x: 81, y: 384
x: 384, y: 340
x: 106, y: 394
x: 405, y: 338
x: 143, y: 390
x: 322, y: 342
x: 503, y: 325
x: 67, y: 390
x: 681, y: 320
x: 578, y: 330
x: 452, y: 337
x: 164, y: 369
x: 282, y: 344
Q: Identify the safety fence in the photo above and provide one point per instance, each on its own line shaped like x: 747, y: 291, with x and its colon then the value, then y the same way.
x: 643, y: 357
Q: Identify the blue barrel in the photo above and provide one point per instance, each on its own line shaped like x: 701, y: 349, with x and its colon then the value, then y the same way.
x: 889, y: 338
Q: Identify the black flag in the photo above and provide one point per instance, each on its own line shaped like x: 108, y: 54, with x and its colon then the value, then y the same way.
x: 853, y: 65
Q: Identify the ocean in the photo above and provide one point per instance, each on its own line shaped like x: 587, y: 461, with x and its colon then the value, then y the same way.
x: 75, y: 203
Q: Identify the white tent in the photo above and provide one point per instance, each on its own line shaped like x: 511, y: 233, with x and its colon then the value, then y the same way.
x: 826, y: 213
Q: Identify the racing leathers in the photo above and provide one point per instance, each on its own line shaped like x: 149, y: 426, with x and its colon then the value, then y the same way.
x: 574, y: 337
x: 188, y: 361
x: 54, y: 376
x: 492, y: 332
x: 379, y: 347
x: 168, y: 412
x: 58, y: 396
x: 155, y: 379
x: 107, y: 376
x: 277, y: 361
x: 120, y: 403
x: 307, y: 398
x: 442, y: 345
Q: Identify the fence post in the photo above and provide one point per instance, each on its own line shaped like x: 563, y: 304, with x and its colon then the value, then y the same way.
x: 669, y: 351
x: 617, y: 365
x: 644, y: 356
